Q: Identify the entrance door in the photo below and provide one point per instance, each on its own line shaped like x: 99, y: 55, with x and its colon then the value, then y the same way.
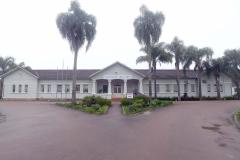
x: 117, y: 89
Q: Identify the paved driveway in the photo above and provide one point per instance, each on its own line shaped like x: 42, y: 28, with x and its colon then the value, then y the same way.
x: 184, y: 131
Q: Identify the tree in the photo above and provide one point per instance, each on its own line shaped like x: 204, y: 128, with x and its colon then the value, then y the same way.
x: 177, y: 48
x: 231, y: 67
x: 148, y: 29
x: 160, y: 55
x: 157, y: 53
x: 198, y: 57
x: 6, y: 63
x: 215, y: 67
x: 77, y: 27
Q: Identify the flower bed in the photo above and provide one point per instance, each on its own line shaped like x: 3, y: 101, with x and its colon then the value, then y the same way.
x: 141, y: 104
x: 90, y: 104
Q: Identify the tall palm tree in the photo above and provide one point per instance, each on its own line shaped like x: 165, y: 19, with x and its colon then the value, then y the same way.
x: 177, y: 48
x: 160, y: 55
x: 231, y: 67
x: 148, y: 29
x: 198, y: 57
x: 215, y: 67
x: 6, y: 63
x: 77, y: 27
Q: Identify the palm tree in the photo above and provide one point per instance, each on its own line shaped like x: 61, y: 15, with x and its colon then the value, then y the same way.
x: 198, y: 57
x: 178, y: 49
x: 77, y: 27
x: 148, y: 29
x: 161, y: 55
x: 215, y: 67
x: 231, y: 67
x: 5, y: 65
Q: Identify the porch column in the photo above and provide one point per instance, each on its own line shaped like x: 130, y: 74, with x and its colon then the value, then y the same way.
x: 93, y: 86
x: 125, y: 86
x: 140, y: 85
x: 109, y: 86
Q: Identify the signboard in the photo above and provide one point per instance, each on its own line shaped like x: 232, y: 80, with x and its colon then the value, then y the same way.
x: 130, y: 95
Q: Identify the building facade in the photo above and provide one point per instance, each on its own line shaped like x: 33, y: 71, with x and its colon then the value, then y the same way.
x: 116, y: 80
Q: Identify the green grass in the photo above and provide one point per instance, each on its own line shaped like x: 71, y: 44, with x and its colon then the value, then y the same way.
x: 136, y: 106
x: 94, y: 109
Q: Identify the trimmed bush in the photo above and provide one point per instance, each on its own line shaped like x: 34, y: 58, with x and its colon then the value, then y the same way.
x: 90, y: 104
x: 238, y: 115
x: 126, y: 102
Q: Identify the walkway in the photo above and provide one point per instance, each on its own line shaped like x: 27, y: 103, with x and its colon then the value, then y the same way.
x: 184, y: 131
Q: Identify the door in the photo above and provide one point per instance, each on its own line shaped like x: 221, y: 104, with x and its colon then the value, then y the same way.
x: 117, y: 89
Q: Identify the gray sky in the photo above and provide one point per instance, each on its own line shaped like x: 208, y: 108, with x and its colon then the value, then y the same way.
x: 29, y: 33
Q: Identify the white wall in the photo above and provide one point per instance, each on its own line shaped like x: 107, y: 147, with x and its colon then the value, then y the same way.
x: 162, y: 84
x: 62, y: 95
x: 224, y: 80
x: 20, y: 77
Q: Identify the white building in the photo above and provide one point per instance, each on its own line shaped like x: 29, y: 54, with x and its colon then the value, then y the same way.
x: 115, y: 80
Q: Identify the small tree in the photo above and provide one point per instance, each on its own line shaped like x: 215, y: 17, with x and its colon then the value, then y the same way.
x: 77, y: 27
x: 148, y: 29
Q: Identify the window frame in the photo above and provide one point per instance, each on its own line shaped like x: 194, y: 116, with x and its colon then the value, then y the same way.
x: 26, y: 88
x: 13, y: 88
x: 85, y: 89
x: 19, y: 88
x: 59, y: 85
x: 67, y: 88
x: 42, y: 88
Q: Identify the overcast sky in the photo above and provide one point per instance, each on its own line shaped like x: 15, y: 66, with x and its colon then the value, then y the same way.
x: 29, y: 33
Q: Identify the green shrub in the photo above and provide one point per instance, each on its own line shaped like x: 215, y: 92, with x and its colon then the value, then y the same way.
x: 138, y: 103
x: 145, y: 99
x: 238, y: 115
x: 89, y: 100
x: 89, y: 109
x: 126, y: 102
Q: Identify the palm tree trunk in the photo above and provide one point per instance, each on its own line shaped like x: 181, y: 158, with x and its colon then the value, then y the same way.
x: 238, y: 90
x: 218, y: 87
x: 178, y: 79
x: 199, y: 85
x: 150, y: 81
x: 74, y: 78
x: 155, y: 80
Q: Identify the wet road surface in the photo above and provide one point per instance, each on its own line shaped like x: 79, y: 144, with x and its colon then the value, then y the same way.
x: 184, y: 131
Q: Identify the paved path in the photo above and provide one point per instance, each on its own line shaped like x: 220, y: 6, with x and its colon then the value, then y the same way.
x: 184, y: 131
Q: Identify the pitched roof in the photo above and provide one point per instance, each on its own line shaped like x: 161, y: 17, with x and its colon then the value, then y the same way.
x: 85, y: 74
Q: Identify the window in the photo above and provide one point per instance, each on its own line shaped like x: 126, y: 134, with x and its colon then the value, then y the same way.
x: 59, y: 88
x: 67, y: 88
x: 192, y: 87
x: 48, y: 88
x: 209, y: 87
x: 19, y: 88
x: 78, y: 88
x: 14, y: 88
x: 175, y: 88
x: 185, y: 86
x: 220, y: 87
x: 157, y: 88
x: 167, y: 87
x: 85, y: 88
x: 26, y: 88
x: 105, y: 88
x: 42, y: 88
